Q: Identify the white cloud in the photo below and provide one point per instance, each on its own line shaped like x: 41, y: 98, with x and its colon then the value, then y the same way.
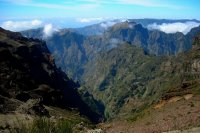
x: 85, y: 6
x: 174, y: 27
x: 49, y: 30
x: 21, y: 25
x: 139, y: 2
x: 146, y: 3
x: 34, y: 4
x: 88, y: 20
x: 108, y: 24
x: 80, y: 5
x: 60, y: 6
x: 150, y: 3
x: 15, y: 1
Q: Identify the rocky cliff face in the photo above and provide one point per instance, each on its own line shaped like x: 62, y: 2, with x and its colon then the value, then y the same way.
x: 153, y: 42
x: 28, y: 71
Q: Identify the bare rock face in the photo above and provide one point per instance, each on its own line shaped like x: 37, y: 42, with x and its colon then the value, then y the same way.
x: 33, y: 107
x: 167, y: 66
x: 95, y: 131
x: 196, y: 65
x: 8, y: 105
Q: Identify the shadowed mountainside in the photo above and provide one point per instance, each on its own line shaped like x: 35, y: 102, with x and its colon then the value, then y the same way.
x: 28, y: 71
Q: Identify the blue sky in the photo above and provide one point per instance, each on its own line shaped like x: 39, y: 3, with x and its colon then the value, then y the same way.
x: 100, y: 8
x: 87, y: 11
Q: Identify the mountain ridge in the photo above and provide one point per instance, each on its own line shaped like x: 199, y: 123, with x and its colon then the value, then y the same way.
x: 85, y: 48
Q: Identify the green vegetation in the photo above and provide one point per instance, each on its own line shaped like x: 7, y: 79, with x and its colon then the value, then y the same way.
x: 44, y: 125
x: 122, y: 73
x: 128, y: 81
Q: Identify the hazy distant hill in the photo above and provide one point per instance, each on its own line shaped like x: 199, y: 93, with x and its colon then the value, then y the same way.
x: 146, y: 22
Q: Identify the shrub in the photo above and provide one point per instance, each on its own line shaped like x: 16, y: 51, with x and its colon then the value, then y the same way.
x: 43, y: 125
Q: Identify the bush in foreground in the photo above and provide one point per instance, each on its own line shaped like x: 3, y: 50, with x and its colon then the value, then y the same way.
x: 43, y: 125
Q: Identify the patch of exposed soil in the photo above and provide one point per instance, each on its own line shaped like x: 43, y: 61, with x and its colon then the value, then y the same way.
x: 176, y: 113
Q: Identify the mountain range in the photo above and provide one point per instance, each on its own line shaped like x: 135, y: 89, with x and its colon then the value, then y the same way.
x: 124, y: 72
x: 100, y: 28
x: 72, y: 50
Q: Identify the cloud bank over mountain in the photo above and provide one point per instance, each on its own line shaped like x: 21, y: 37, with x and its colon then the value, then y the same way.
x: 48, y: 30
x: 21, y: 25
x: 110, y: 23
x: 174, y: 27
x: 88, y: 20
x: 16, y: 26
x: 107, y: 24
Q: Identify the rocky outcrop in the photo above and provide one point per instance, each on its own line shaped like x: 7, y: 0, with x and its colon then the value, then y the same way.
x: 33, y: 107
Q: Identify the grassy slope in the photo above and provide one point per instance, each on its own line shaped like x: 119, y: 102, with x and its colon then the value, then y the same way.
x: 177, y: 105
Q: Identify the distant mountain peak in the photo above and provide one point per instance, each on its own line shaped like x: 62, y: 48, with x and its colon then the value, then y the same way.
x: 123, y: 25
